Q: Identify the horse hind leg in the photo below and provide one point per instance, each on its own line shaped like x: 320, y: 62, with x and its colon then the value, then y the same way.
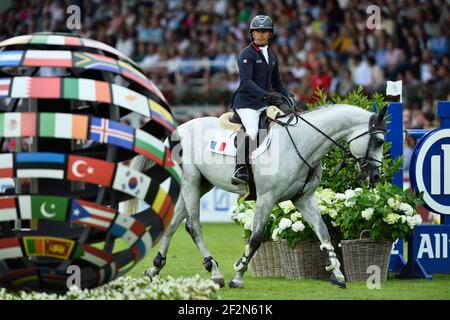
x: 210, y: 264
x: 194, y: 228
x: 310, y: 210
x: 160, y: 259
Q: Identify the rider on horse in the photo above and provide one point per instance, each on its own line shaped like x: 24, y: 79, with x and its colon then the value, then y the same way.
x: 258, y: 73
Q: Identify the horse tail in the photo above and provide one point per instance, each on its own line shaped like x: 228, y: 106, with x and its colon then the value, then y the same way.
x: 139, y: 163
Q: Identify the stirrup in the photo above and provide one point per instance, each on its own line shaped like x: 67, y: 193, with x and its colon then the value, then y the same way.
x: 239, y: 178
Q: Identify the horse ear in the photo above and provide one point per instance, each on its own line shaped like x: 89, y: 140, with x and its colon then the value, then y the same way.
x: 382, y: 114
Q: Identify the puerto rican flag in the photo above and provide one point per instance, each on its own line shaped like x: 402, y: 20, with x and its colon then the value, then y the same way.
x: 113, y: 132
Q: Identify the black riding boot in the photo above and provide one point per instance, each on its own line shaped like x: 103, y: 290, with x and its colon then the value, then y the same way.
x: 240, y: 174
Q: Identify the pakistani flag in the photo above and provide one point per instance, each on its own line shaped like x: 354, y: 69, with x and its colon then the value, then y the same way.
x: 43, y: 207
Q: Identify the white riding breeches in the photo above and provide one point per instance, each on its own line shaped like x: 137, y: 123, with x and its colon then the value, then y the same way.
x: 250, y: 120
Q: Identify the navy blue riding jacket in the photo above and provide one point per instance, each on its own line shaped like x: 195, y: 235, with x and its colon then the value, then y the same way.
x: 257, y: 78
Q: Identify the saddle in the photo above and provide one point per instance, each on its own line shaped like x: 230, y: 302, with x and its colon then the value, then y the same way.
x: 232, y: 121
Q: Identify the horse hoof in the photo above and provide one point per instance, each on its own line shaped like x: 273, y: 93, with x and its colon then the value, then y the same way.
x: 219, y: 281
x: 234, y: 285
x: 338, y: 283
x: 149, y: 273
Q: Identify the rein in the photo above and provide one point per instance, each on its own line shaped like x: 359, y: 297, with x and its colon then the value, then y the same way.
x: 363, y: 162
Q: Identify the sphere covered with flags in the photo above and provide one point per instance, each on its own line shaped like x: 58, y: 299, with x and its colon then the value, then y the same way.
x: 74, y: 112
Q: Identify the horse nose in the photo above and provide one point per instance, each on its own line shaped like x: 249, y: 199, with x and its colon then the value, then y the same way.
x: 375, y: 176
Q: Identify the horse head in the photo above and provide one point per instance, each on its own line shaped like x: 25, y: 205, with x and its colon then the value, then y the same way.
x: 367, y: 146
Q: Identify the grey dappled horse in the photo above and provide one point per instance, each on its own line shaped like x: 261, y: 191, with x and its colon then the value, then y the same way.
x: 290, y: 169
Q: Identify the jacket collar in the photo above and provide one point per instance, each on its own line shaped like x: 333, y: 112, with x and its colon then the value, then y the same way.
x: 258, y: 49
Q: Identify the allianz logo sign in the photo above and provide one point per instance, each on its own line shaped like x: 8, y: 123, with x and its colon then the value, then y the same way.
x: 433, y: 246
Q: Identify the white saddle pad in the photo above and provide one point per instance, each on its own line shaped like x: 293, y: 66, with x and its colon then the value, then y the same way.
x: 222, y: 142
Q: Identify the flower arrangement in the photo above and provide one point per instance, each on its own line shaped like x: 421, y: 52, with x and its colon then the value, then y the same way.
x: 385, y: 212
x: 285, y: 222
x: 128, y: 288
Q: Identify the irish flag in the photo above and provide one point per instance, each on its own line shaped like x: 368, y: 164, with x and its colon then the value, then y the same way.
x: 49, y: 58
x: 86, y: 89
x: 55, y: 40
x: 63, y: 125
x: 18, y: 124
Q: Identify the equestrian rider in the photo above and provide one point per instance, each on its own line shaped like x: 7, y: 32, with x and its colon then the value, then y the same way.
x: 258, y: 73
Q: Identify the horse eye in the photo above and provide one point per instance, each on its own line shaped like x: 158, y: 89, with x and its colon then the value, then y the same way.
x: 379, y: 141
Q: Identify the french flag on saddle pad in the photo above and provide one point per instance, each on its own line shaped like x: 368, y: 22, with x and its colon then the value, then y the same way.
x: 218, y: 146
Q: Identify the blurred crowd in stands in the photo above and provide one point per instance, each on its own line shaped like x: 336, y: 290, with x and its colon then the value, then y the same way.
x: 189, y: 47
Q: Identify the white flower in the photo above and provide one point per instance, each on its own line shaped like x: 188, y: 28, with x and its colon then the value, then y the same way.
x: 417, y: 219
x: 413, y: 221
x: 406, y: 208
x: 287, y: 206
x: 332, y: 213
x: 296, y: 216
x: 367, y: 214
x: 394, y: 203
x: 350, y: 202
x: 298, y: 226
x: 340, y: 196
x: 350, y: 194
x: 285, y: 223
x: 248, y: 224
x: 334, y: 224
x: 403, y: 219
x: 322, y: 208
x: 128, y: 288
x: 240, y: 216
x: 249, y: 212
x: 275, y: 234
x: 358, y: 190
x: 391, y: 218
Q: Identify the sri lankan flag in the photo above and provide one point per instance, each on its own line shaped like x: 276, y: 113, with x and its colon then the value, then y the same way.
x: 53, y: 247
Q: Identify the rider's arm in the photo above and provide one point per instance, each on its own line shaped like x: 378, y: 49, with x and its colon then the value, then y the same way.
x: 277, y: 84
x: 245, y: 64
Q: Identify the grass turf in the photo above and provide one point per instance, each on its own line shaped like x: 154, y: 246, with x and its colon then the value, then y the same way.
x: 226, y: 244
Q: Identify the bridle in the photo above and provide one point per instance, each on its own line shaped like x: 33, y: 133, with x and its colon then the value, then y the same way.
x: 377, y: 125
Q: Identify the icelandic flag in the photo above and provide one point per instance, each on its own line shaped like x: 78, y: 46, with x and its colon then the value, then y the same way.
x: 113, y: 132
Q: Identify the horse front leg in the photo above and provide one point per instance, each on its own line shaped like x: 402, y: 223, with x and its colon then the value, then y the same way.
x: 309, y: 208
x: 264, y: 206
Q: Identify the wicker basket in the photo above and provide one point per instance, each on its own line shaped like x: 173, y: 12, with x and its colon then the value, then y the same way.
x: 359, y: 254
x: 306, y: 260
x: 267, y: 261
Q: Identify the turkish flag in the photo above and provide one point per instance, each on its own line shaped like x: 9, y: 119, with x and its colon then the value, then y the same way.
x: 90, y: 170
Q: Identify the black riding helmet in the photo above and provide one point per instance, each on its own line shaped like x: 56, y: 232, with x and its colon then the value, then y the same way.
x: 261, y: 22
